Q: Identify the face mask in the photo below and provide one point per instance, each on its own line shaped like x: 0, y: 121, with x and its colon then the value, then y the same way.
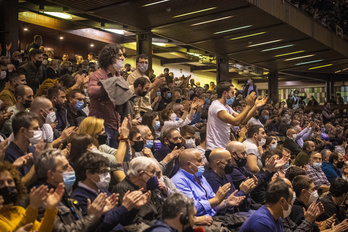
x: 274, y: 145
x: 178, y: 100
x: 143, y: 94
x: 345, y: 178
x: 79, y: 105
x: 169, y: 95
x: 118, y: 65
x: 104, y: 180
x: 36, y: 138
x: 51, y: 117
x: 191, y: 92
x: 45, y: 62
x: 69, y: 179
x: 149, y: 144
x: 20, y: 60
x: 138, y: 146
x: 313, y: 197
x: 316, y: 165
x: 38, y: 64
x: 340, y: 164
x: 207, y: 101
x: 26, y: 104
x: 287, y: 212
x: 173, y: 145
x: 70, y: 69
x: 266, y: 117
x: 200, y: 171
x: 102, y: 138
x: 238, y: 111
x: 228, y: 169
x: 288, y: 122
x: 157, y: 125
x: 286, y: 166
x: 241, y: 162
x: 294, y: 136
x: 173, y: 116
x: 262, y: 142
x: 3, y: 75
x: 143, y: 67
x: 9, y: 193
x: 152, y: 183
x: 230, y: 101
x: 190, y: 143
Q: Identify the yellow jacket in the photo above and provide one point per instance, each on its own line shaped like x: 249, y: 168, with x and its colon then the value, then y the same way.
x: 7, y: 95
x: 11, y: 219
x: 46, y: 85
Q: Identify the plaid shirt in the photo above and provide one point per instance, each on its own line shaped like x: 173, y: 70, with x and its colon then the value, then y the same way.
x: 318, y: 176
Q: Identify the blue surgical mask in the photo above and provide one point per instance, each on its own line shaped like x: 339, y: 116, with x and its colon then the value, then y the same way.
x: 316, y: 165
x: 69, y: 179
x: 79, y: 105
x: 157, y: 125
x: 149, y: 144
x: 207, y: 101
x: 230, y: 101
x: 266, y: 117
x: 286, y: 166
x: 200, y: 171
x: 169, y: 95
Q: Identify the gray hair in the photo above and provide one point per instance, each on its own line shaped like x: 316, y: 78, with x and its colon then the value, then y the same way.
x: 175, y: 204
x: 46, y: 161
x: 138, y: 164
x: 176, y: 107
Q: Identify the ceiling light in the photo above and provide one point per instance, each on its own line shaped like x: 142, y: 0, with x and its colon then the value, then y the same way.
x: 59, y: 15
x: 276, y: 48
x: 194, y: 12
x: 61, y: 37
x: 299, y: 57
x: 159, y: 44
x: 116, y: 31
x: 210, y: 21
x: 154, y: 3
x: 233, y: 29
x: 25, y: 29
x: 309, y: 62
x: 92, y: 45
x: 290, y: 53
x: 246, y: 36
x: 322, y: 66
x: 268, y: 42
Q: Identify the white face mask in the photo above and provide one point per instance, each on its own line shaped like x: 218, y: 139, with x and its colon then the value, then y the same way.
x: 104, y: 180
x: 70, y: 69
x: 20, y: 60
x: 190, y: 143
x: 143, y: 67
x: 173, y: 116
x: 294, y: 136
x: 118, y: 65
x: 36, y: 138
x: 287, y: 212
x: 3, y: 75
x: 274, y: 145
x: 45, y: 62
x: 262, y: 142
x: 51, y: 117
x: 345, y: 178
x: 313, y: 197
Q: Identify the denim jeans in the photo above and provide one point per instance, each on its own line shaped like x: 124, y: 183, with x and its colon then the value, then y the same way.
x: 112, y: 137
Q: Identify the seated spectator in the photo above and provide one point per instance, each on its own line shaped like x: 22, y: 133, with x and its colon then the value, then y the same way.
x: 166, y: 98
x: 290, y: 143
x: 188, y: 134
x: 303, y: 157
x: 294, y: 171
x: 203, y: 144
x: 332, y: 168
x: 12, y: 192
x: 147, y: 136
x: 325, y: 155
x: 57, y: 96
x: 74, y: 106
x: 313, y: 170
x: 178, y: 215
x: 151, y: 120
x: 344, y: 171
x: 52, y: 69
x: 7, y: 95
x: 270, y: 145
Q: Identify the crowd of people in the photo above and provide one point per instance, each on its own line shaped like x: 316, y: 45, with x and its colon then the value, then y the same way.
x: 96, y: 145
x: 329, y: 13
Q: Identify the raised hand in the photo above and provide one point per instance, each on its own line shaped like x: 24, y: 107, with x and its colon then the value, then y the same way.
x: 54, y: 197
x: 261, y: 102
x: 124, y: 129
x: 284, y: 160
x: 147, y: 152
x: 8, y: 46
x: 250, y: 99
x: 3, y: 145
x: 234, y: 200
x: 221, y: 193
x: 111, y: 202
x: 328, y: 223
x: 67, y: 132
x: 131, y: 198
x: 38, y: 196
x: 97, y: 206
x: 25, y: 228
x: 270, y: 165
x: 162, y: 186
x: 342, y: 227
x: 246, y: 186
x: 23, y: 160
x: 40, y: 146
x: 145, y: 198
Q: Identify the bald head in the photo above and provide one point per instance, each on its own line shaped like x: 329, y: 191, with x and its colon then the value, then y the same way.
x: 290, y: 132
x: 218, y: 155
x: 145, y: 132
x: 190, y: 159
x: 235, y: 146
x: 40, y: 103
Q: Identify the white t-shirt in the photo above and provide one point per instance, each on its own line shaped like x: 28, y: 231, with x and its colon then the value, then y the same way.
x: 218, y: 132
x: 251, y: 149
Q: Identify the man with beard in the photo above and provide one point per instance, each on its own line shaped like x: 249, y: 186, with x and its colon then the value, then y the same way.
x: 58, y: 98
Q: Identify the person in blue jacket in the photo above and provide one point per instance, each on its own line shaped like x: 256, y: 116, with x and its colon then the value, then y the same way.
x: 332, y: 168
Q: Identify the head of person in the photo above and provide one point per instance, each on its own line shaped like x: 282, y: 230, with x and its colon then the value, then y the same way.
x: 336, y: 159
x: 271, y: 143
x: 166, y: 114
x: 257, y: 134
x: 305, y: 189
x: 24, y: 95
x: 43, y: 108
x: 178, y: 109
x: 267, y: 155
x: 54, y: 64
x: 91, y: 56
x: 66, y: 81
x: 238, y: 153
x: 191, y: 161
x: 11, y: 188
x: 38, y: 40
x: 327, y: 105
x: 57, y: 96
x: 294, y: 171
x: 180, y: 210
x: 17, y: 78
x: 172, y: 138
x: 142, y: 172
x: 225, y: 90
x: 65, y: 57
x: 111, y: 58
x: 165, y: 92
x: 76, y: 99
x: 206, y: 87
x: 166, y: 71
x: 52, y: 167
x: 188, y: 134
x: 344, y: 171
x: 250, y: 81
x: 146, y: 135
x: 338, y: 190
x: 79, y: 59
x: 291, y: 134
x: 25, y: 127
x: 141, y: 86
x: 220, y: 161
x: 35, y: 57
x: 80, y: 144
x: 45, y: 59
x: 93, y: 169
x: 315, y: 160
x: 95, y: 128
x: 309, y: 146
x: 279, y: 194
x: 17, y: 56
x: 142, y: 63
x: 151, y: 119
x: 136, y: 140
x: 264, y: 113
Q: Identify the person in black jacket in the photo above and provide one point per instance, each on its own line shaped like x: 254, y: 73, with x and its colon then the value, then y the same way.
x: 312, y: 102
x: 291, y: 144
x: 250, y: 86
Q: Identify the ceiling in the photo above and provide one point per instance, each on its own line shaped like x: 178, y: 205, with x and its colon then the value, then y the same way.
x: 200, y: 30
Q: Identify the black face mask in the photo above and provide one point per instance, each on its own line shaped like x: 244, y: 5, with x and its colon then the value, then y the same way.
x: 340, y: 164
x: 26, y: 104
x: 138, y: 146
x: 181, y: 113
x: 173, y: 145
x: 38, y: 63
x: 178, y: 100
x: 241, y: 162
x: 9, y: 194
x: 143, y: 94
x: 228, y: 169
x: 102, y: 138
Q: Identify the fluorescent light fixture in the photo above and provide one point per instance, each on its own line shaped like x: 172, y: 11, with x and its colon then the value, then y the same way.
x: 322, y: 66
x: 246, y: 36
x: 268, y: 42
x: 59, y: 15
x: 309, y: 62
x: 290, y: 53
x: 116, y: 31
x: 233, y: 29
x: 25, y: 29
x: 194, y: 12
x: 159, y: 44
x: 155, y: 3
x: 211, y: 21
x: 299, y: 57
x: 276, y: 48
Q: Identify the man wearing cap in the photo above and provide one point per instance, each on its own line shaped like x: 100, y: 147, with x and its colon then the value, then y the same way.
x: 16, y: 59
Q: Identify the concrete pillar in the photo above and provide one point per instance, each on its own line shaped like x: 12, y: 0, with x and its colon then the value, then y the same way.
x: 144, y: 44
x: 273, y: 86
x: 222, y: 69
x: 330, y: 89
x: 9, y: 24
